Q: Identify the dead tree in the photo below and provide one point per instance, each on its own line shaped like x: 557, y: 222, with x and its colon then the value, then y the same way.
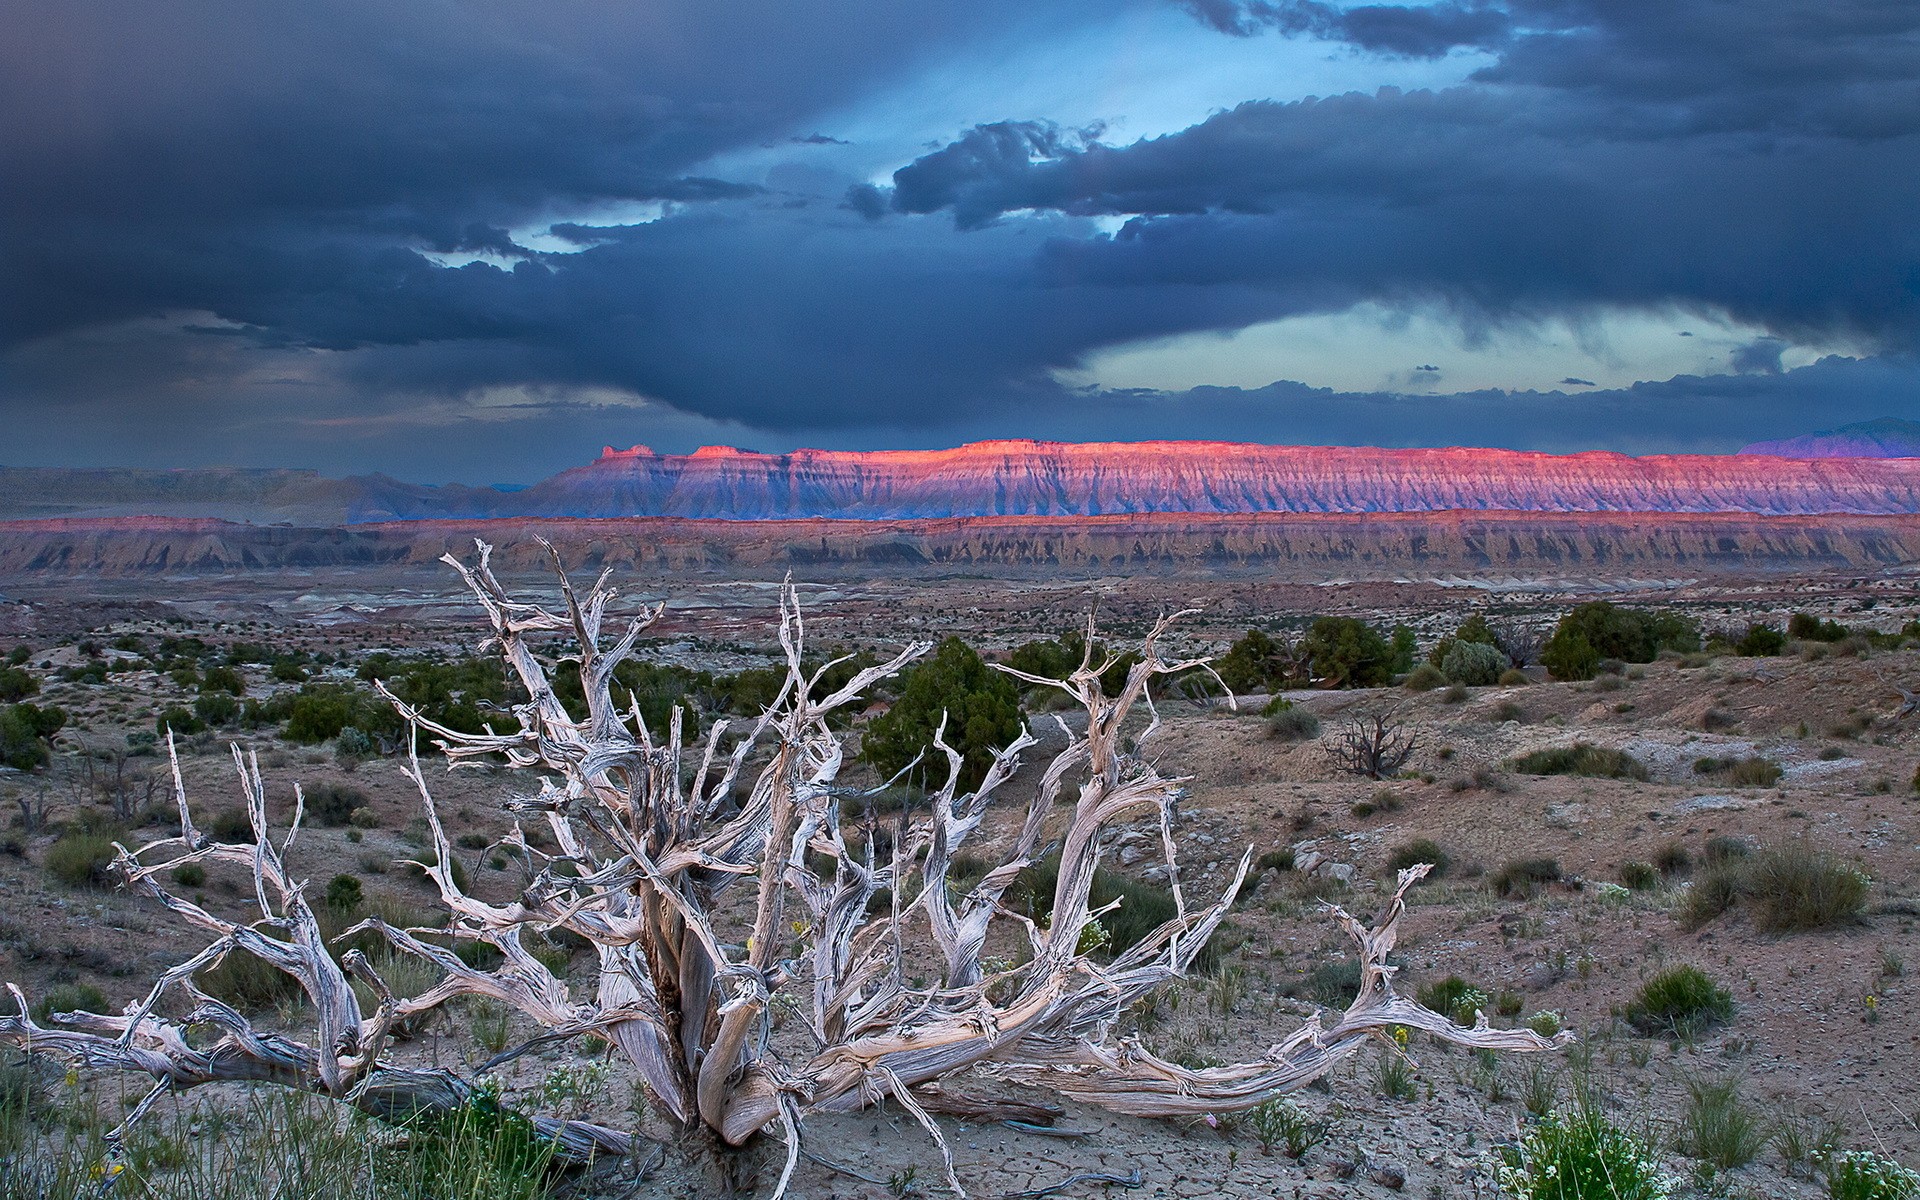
x: 1520, y: 643
x: 1374, y: 744
x: 715, y: 895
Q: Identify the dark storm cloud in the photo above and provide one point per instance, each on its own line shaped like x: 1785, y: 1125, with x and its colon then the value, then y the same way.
x: 138, y: 139
x: 1412, y: 31
x: 1639, y: 161
x: 1761, y: 354
x: 218, y: 216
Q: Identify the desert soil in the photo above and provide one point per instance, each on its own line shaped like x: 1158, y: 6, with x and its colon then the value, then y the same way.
x: 1825, y: 1023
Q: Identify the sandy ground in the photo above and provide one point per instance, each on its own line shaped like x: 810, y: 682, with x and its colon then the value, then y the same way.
x: 1804, y: 1036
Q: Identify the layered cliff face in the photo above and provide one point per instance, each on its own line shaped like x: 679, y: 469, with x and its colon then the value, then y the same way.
x: 1085, y: 479
x: 1303, y: 547
x: 998, y: 479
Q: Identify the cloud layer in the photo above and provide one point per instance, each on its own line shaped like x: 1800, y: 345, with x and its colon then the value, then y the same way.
x: 301, y: 233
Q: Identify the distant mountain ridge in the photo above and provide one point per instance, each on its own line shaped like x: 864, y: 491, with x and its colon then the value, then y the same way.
x: 1887, y: 437
x: 1012, y: 479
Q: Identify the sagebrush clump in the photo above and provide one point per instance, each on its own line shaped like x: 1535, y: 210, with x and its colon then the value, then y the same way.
x: 1784, y: 888
x: 1679, y: 1002
x: 1594, y: 762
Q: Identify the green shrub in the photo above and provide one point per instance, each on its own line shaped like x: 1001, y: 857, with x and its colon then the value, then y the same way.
x: 223, y: 679
x: 429, y: 857
x: 1672, y: 859
x: 216, y: 709
x: 1256, y: 663
x: 1726, y: 848
x: 332, y: 804
x: 190, y: 875
x: 1475, y: 664
x: 16, y: 684
x: 231, y: 825
x: 1419, y: 850
x: 1579, y: 1156
x: 1280, y: 1122
x: 1679, y: 1002
x: 1272, y: 860
x: 1597, y: 631
x: 69, y: 997
x: 1761, y: 641
x: 1292, y: 724
x: 1715, y: 720
x: 249, y: 984
x: 1143, y: 907
x: 25, y: 730
x: 1807, y: 628
x: 1384, y: 800
x: 1786, y: 888
x: 1347, y: 652
x: 1513, y: 677
x: 82, y: 860
x: 1524, y: 876
x: 1424, y: 678
x: 981, y: 707
x: 1453, y: 998
x: 1754, y: 772
x: 352, y: 746
x: 1597, y: 762
x: 1640, y: 876
x: 1792, y: 887
x: 1864, y: 1175
x: 345, y: 894
x: 178, y: 721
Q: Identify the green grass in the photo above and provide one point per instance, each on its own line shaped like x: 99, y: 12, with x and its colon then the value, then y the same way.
x: 1419, y: 850
x: 278, y: 1145
x: 1524, y: 876
x: 1679, y: 1002
x: 68, y: 997
x: 1784, y: 888
x: 1640, y: 876
x: 1593, y: 762
x: 81, y: 860
x: 1791, y: 887
x: 1718, y: 1127
x: 1293, y: 725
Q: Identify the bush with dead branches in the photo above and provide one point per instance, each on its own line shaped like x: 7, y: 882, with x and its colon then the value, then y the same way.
x: 1374, y: 744
x: 713, y: 894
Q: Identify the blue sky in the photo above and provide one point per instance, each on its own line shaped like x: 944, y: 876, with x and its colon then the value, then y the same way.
x: 477, y: 241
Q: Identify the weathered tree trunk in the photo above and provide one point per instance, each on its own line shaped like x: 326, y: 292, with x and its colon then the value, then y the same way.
x: 651, y: 836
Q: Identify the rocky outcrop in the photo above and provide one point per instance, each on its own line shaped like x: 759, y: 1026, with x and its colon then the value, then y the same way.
x: 1280, y: 546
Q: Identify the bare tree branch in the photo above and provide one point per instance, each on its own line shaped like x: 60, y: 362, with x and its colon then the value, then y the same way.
x: 653, y: 837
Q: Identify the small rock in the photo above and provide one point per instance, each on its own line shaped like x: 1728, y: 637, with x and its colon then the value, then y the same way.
x: 1388, y: 1175
x: 1335, y: 1168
